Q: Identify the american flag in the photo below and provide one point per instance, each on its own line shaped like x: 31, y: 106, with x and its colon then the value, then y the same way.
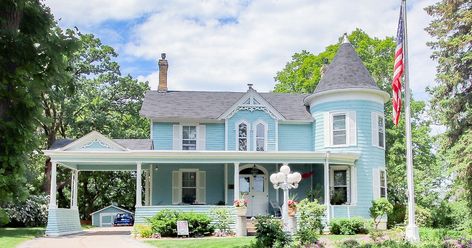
x: 398, y: 72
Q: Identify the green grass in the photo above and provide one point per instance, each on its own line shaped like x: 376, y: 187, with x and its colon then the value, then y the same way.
x: 201, y: 242
x: 11, y: 237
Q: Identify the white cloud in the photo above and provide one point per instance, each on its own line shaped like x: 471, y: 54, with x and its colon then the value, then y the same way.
x: 222, y: 45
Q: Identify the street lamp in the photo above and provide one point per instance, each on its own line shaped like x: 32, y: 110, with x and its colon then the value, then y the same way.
x: 285, y: 180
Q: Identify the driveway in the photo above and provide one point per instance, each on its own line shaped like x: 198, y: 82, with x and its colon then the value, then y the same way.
x: 103, y: 237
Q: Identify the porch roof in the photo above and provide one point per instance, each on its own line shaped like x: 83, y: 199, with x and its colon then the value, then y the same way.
x: 92, y: 160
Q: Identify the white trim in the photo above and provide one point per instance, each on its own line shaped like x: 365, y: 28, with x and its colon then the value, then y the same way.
x: 254, y: 135
x: 248, y: 135
x: 349, y: 180
x: 185, y: 120
x: 347, y: 94
x: 331, y: 128
x: 375, y: 131
x: 226, y: 134
x: 152, y: 127
x: 276, y: 123
x: 226, y: 183
x: 90, y: 137
x: 151, y: 179
x: 112, y: 206
x: 263, y: 104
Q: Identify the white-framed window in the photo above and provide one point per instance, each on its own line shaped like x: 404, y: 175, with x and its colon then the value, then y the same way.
x: 188, y: 186
x: 340, y: 184
x: 189, y: 138
x: 379, y: 183
x: 260, y: 136
x: 383, y: 183
x: 378, y: 130
x: 339, y: 127
x: 242, y: 131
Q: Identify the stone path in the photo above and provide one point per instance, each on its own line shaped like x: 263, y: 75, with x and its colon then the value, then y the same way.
x: 102, y: 237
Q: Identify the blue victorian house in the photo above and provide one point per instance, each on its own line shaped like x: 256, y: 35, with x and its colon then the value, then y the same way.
x: 208, y: 148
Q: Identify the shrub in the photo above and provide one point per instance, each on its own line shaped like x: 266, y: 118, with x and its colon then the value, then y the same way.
x: 270, y: 233
x: 397, y: 216
x: 451, y: 215
x: 311, y: 216
x: 350, y: 243
x: 165, y: 223
x: 143, y: 231
x: 350, y: 226
x: 3, y: 217
x: 380, y: 208
x: 30, y: 213
x: 222, y: 218
x: 423, y: 217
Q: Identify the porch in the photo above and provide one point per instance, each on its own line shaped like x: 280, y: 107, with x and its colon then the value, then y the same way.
x: 213, y: 179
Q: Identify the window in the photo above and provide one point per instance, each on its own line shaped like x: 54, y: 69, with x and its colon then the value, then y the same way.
x: 189, y: 187
x: 383, y: 184
x: 242, y: 137
x: 381, y: 132
x: 189, y: 137
x: 339, y: 129
x: 260, y: 137
x: 340, y: 185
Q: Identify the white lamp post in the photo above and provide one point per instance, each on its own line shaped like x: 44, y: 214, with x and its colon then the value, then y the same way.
x: 285, y: 180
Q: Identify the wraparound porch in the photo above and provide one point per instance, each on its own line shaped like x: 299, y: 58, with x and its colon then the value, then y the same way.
x: 222, y: 176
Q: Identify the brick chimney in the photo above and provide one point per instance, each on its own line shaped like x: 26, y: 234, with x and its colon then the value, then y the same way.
x: 163, y: 65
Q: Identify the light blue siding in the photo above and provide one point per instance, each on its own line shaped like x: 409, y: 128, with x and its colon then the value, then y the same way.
x: 296, y: 137
x: 215, y: 136
x: 162, y: 133
x: 62, y: 221
x: 371, y: 157
x: 252, y: 117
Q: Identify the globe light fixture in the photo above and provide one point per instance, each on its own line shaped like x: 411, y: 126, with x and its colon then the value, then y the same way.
x: 285, y: 180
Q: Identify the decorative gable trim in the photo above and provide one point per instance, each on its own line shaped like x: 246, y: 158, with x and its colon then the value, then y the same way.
x: 92, y: 138
x: 252, y: 101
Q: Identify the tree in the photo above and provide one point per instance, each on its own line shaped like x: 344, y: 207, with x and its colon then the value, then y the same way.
x: 452, y: 96
x: 302, y: 74
x: 33, y: 50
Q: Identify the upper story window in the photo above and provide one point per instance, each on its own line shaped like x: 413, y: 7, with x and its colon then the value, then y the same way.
x: 242, y: 137
x: 339, y: 135
x: 260, y: 137
x: 189, y: 137
x: 378, y: 130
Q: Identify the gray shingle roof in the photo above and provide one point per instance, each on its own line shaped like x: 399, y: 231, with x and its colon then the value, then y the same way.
x: 212, y: 104
x: 346, y: 71
x: 132, y: 144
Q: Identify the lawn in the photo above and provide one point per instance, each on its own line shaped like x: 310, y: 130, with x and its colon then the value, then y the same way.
x: 202, y: 242
x: 11, y: 237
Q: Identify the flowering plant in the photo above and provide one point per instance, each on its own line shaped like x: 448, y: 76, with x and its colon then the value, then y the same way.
x: 292, y: 204
x: 240, y: 203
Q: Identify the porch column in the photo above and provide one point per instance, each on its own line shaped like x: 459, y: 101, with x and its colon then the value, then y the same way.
x: 138, y: 185
x: 326, y: 188
x: 72, y: 181
x: 236, y: 181
x: 75, y: 190
x: 146, y: 187
x: 226, y: 183
x: 52, y: 194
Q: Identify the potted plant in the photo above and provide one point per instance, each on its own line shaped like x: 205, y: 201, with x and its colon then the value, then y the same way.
x: 292, y: 207
x: 241, y: 207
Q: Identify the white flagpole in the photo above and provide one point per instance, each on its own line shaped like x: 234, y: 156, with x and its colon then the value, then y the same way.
x: 412, y: 233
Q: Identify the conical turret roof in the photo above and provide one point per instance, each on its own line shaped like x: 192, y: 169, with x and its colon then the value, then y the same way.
x: 346, y: 71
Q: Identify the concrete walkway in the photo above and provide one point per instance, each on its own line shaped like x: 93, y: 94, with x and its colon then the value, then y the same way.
x: 103, y: 237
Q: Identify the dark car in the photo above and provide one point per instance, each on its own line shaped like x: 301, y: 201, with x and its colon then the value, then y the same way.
x: 123, y: 220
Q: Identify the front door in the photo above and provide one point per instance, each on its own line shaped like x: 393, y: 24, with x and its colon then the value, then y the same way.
x: 254, y: 188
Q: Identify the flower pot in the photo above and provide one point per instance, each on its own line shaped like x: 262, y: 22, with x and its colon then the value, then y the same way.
x: 292, y: 211
x: 241, y: 211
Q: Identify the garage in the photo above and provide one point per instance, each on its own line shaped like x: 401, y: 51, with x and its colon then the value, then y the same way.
x: 105, y: 216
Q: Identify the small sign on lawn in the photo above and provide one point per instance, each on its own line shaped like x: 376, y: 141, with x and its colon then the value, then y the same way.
x: 182, y: 227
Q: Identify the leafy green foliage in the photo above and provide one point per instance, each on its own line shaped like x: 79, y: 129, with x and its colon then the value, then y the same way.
x: 423, y: 217
x: 33, y: 50
x: 451, y: 215
x: 350, y: 243
x: 270, y: 232
x: 165, y: 223
x: 143, y: 231
x: 380, y: 208
x: 223, y: 219
x: 349, y: 226
x: 451, y: 95
x: 310, y: 221
x: 3, y: 217
x: 30, y: 213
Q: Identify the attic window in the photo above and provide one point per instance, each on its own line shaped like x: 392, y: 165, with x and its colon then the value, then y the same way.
x: 242, y: 137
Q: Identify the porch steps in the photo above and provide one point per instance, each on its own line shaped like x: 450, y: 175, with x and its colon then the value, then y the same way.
x: 251, y: 226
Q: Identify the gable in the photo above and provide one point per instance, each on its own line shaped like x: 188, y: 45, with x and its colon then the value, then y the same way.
x: 93, y: 141
x: 251, y: 102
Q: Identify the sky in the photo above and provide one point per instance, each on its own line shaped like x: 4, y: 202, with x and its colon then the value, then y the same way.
x: 224, y: 45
